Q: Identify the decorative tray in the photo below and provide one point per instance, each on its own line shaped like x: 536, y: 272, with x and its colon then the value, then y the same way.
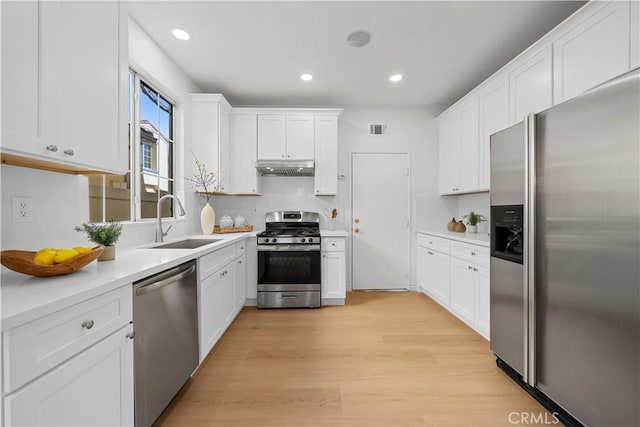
x: 22, y: 262
x: 219, y: 230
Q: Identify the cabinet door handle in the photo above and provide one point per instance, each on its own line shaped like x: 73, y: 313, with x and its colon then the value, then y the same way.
x: 131, y: 335
x: 475, y: 269
x: 324, y: 256
x: 430, y: 253
x: 69, y: 152
x: 469, y: 267
x: 473, y: 253
x: 52, y: 148
x: 288, y: 156
x: 242, y: 248
x: 282, y: 156
x: 240, y: 262
x: 88, y: 324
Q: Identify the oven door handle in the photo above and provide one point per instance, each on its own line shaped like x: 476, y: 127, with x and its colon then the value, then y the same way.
x: 288, y: 248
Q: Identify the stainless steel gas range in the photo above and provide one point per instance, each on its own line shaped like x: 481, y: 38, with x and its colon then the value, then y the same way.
x: 289, y: 266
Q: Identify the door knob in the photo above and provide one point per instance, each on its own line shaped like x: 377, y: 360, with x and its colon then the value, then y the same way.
x: 357, y: 220
x: 356, y: 230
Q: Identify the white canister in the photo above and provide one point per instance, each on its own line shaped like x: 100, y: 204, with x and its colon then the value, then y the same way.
x: 226, y: 222
x: 239, y: 221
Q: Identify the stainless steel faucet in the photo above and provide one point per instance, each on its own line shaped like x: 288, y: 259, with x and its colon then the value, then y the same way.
x: 159, y: 232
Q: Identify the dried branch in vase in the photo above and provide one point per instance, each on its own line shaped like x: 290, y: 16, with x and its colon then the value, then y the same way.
x: 203, y: 181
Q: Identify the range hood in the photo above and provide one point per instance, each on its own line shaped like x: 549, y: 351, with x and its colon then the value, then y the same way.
x: 285, y: 167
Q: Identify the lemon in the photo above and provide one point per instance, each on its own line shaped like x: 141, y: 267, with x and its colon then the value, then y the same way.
x: 82, y: 249
x: 44, y: 257
x: 45, y: 250
x: 63, y: 255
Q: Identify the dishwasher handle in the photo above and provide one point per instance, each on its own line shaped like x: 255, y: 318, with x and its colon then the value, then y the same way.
x: 151, y: 285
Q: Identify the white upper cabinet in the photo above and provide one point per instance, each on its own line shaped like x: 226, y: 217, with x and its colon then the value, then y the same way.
x: 469, y: 144
x: 210, y: 136
x: 300, y: 137
x: 591, y: 52
x: 243, y: 145
x: 326, y: 155
x: 494, y: 116
x: 531, y: 85
x: 449, y: 153
x: 272, y: 133
x: 64, y: 97
x: 459, y: 148
x: 285, y: 137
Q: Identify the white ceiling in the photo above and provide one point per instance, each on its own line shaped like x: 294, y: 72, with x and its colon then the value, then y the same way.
x: 254, y: 52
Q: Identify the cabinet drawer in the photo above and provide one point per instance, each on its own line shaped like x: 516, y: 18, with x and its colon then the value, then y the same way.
x: 472, y: 253
x: 333, y: 245
x: 35, y: 347
x: 432, y: 242
x: 241, y: 248
x: 208, y: 264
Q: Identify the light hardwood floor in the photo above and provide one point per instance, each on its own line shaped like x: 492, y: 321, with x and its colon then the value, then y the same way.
x: 385, y: 359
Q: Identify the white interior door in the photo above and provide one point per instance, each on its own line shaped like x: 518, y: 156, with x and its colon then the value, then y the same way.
x: 380, y: 222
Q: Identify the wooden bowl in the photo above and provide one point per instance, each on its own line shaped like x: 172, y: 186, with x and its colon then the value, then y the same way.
x: 22, y: 262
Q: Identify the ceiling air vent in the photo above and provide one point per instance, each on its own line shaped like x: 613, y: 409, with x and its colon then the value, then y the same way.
x: 377, y: 129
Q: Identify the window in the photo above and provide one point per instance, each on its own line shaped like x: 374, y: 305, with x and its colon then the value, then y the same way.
x: 134, y: 196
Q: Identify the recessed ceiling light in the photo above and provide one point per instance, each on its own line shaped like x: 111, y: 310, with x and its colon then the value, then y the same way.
x: 180, y: 34
x: 396, y: 77
x: 358, y: 38
x: 306, y: 77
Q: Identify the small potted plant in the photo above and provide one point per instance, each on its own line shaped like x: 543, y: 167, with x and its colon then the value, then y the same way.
x: 473, y: 219
x: 105, y: 234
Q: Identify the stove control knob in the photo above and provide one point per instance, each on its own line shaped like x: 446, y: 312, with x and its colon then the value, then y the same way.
x: 274, y: 240
x: 310, y: 240
x: 303, y: 240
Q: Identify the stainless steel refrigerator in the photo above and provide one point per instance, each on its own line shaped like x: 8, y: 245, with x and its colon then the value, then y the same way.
x: 565, y: 254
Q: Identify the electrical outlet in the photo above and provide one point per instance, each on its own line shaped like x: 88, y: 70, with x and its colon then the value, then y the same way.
x: 22, y: 209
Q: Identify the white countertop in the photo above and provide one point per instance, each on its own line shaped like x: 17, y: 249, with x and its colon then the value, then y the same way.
x: 25, y: 298
x: 334, y: 233
x: 481, y: 239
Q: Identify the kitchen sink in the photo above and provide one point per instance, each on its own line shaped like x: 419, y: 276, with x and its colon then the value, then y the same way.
x: 185, y: 244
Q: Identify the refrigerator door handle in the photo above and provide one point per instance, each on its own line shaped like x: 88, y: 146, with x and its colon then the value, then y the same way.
x: 529, y: 245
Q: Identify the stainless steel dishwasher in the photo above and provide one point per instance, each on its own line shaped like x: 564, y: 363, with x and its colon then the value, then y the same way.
x: 165, y: 321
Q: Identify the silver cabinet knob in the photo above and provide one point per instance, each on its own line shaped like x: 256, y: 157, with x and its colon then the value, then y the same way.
x: 88, y: 324
x: 131, y: 335
x: 475, y: 269
x: 469, y: 267
x: 69, y: 152
x: 473, y: 253
x: 242, y: 248
x: 288, y: 156
x: 282, y: 156
x: 52, y: 148
x: 430, y: 253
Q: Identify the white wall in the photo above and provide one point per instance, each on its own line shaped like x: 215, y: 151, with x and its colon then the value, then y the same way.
x: 409, y: 129
x: 61, y: 201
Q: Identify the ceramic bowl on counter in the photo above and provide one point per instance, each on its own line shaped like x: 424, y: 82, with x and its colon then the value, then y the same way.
x: 226, y: 222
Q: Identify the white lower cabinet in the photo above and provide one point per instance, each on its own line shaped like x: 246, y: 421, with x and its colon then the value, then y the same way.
x: 93, y: 388
x: 462, y: 290
x: 240, y: 287
x: 221, y: 293
x: 433, y: 274
x: 82, y: 372
x: 333, y: 271
x: 481, y: 320
x: 456, y: 275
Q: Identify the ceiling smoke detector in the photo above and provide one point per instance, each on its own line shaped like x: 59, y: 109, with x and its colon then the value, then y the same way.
x: 359, y: 38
